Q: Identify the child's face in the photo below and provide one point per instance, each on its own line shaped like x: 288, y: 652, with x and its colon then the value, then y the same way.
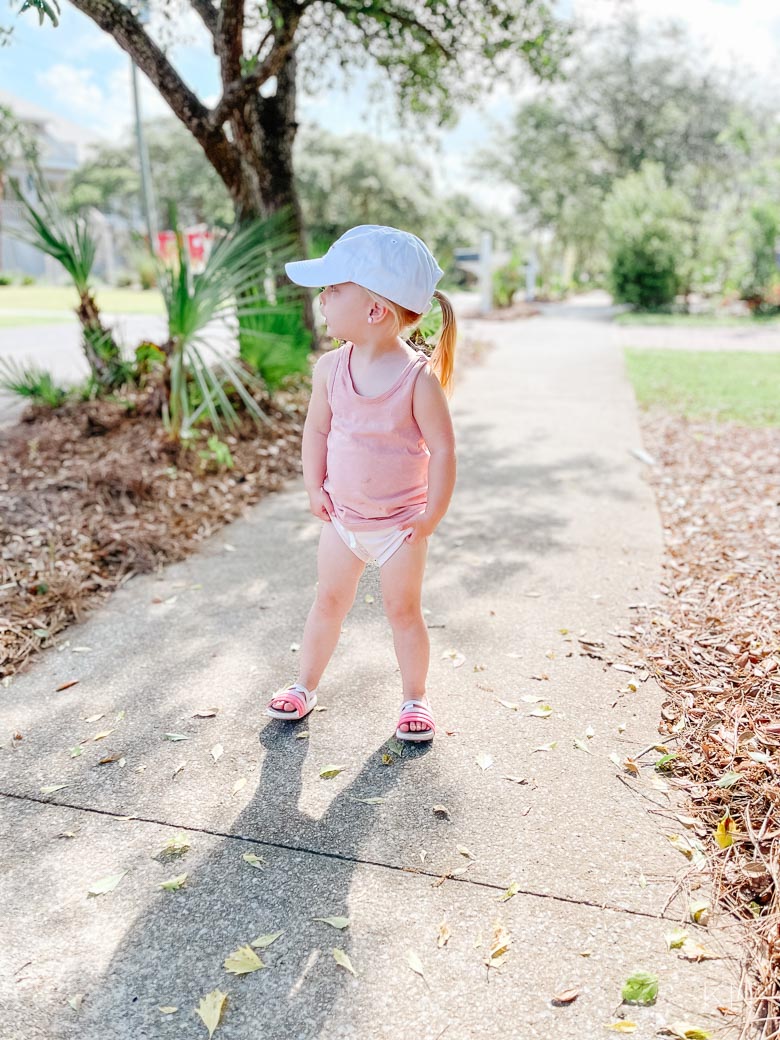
x: 345, y: 307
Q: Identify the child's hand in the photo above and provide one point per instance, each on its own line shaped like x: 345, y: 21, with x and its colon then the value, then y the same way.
x: 421, y: 527
x: 320, y: 504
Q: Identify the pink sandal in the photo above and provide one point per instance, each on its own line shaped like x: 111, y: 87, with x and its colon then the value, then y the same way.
x: 303, y: 699
x: 415, y: 711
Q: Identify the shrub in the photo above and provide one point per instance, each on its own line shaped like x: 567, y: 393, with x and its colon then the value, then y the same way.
x: 507, y: 280
x: 28, y: 279
x: 6, y: 279
x: 760, y: 272
x: 647, y: 237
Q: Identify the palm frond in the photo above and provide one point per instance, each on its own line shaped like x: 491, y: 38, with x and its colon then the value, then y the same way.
x: 31, y: 382
x: 66, y: 239
x: 238, y: 288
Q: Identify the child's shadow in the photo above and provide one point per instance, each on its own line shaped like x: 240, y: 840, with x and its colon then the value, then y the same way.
x: 174, y: 952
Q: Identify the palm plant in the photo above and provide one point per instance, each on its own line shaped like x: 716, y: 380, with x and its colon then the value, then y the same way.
x: 69, y: 241
x: 32, y: 382
x: 237, y: 289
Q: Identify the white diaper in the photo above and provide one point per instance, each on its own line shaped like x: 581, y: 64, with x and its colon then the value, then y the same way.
x: 377, y: 546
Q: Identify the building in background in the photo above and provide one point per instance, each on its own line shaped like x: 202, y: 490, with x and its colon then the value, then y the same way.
x: 62, y: 146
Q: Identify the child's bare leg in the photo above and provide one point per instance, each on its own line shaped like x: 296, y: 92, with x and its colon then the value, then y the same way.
x: 402, y: 578
x: 338, y: 574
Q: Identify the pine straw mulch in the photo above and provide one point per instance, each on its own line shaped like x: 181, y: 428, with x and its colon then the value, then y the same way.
x: 713, y: 644
x: 94, y: 493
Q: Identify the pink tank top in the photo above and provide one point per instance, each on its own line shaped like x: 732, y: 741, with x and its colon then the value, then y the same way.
x: 377, y: 462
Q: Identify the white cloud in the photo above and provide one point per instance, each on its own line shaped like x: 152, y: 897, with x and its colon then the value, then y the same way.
x: 104, y: 105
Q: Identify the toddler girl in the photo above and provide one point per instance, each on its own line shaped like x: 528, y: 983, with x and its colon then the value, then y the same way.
x: 378, y: 453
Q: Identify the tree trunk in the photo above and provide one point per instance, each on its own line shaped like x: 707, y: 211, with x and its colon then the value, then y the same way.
x: 264, y: 131
x: 101, y: 350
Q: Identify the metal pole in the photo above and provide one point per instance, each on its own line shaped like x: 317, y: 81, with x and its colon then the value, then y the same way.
x: 486, y: 273
x: 150, y: 216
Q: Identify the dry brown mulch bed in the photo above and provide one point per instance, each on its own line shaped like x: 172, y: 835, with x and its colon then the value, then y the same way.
x: 713, y: 643
x: 94, y: 493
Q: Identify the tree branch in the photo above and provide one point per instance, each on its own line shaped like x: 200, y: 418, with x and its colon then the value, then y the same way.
x: 208, y: 14
x: 115, y: 19
x: 243, y: 86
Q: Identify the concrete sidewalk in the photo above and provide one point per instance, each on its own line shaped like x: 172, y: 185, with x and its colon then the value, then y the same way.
x: 551, y: 529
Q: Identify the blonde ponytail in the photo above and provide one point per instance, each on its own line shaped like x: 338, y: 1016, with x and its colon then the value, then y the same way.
x: 443, y: 356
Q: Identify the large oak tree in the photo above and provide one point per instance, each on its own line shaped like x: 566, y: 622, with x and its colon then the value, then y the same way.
x: 436, y: 54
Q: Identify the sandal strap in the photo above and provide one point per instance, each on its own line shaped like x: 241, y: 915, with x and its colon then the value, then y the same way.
x: 417, y: 711
x: 296, y: 693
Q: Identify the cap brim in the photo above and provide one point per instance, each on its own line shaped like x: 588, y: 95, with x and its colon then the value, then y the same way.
x: 314, y: 273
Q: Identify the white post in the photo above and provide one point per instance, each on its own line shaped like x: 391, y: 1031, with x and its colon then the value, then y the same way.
x: 531, y: 269
x: 486, y: 273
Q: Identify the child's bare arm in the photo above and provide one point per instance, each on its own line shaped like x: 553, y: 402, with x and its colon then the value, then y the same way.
x: 433, y: 417
x: 315, y: 439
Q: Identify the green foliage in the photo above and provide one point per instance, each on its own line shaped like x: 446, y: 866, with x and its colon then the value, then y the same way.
x: 643, y: 219
x: 629, y: 98
x: 640, y: 988
x: 356, y: 179
x: 760, y: 273
x: 237, y: 286
x: 181, y: 175
x: 507, y: 280
x: 274, y: 342
x: 6, y: 279
x: 31, y: 382
x: 217, y: 455
x: 67, y: 240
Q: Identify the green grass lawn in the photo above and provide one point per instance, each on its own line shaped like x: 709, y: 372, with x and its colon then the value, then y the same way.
x: 8, y: 321
x: 729, y: 385
x: 64, y: 298
x: 646, y: 318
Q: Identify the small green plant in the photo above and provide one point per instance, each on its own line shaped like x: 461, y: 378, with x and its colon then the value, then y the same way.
x: 507, y: 280
x: 216, y: 455
x: 6, y: 279
x: 28, y: 279
x: 148, y: 359
x: 31, y: 382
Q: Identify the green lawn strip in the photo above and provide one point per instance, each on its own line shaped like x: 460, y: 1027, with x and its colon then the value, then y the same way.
x: 63, y: 298
x: 8, y: 321
x: 737, y: 386
x: 693, y: 320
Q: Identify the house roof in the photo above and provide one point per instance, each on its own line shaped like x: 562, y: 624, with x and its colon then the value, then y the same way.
x: 55, y: 127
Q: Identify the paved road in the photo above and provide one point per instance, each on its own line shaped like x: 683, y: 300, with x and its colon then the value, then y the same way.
x: 553, y: 535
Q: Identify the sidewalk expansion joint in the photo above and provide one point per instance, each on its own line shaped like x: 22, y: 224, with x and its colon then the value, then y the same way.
x: 412, y: 871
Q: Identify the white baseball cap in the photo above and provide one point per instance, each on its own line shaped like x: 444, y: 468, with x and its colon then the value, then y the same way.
x: 395, y: 264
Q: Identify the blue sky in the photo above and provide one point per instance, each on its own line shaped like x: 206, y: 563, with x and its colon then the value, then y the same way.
x: 77, y: 72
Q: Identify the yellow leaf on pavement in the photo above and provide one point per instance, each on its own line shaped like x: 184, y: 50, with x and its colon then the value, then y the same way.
x: 106, y: 884
x: 334, y: 922
x: 174, y: 883
x: 415, y: 964
x: 243, y: 961
x: 210, y: 1009
x: 263, y: 941
x: 343, y: 959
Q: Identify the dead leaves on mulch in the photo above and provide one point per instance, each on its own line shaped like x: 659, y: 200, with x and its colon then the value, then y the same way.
x: 94, y: 493
x: 713, y: 643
